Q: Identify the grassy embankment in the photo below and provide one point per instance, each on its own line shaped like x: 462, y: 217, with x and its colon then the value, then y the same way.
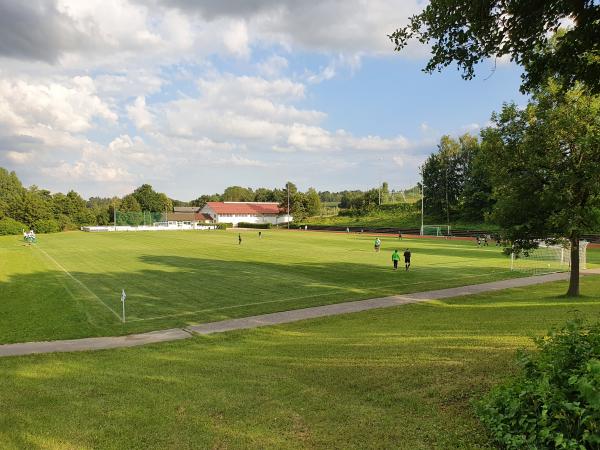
x: 392, y: 216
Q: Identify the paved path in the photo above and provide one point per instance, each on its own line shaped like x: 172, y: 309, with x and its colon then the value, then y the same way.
x: 174, y: 334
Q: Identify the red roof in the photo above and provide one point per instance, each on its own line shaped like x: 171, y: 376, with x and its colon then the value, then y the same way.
x: 203, y: 216
x: 249, y: 208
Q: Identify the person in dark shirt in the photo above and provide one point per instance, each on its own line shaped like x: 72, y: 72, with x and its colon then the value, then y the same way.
x: 407, y: 256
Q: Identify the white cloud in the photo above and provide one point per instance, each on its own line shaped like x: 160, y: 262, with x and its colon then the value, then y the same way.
x: 139, y: 114
x: 241, y: 161
x: 236, y: 39
x: 19, y: 157
x: 70, y: 105
x: 398, y: 160
x: 273, y: 66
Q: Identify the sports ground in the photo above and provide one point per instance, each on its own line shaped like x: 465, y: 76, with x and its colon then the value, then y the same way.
x: 69, y: 285
x: 402, y: 377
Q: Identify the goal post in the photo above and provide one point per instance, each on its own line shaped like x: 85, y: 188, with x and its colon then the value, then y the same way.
x: 547, y: 258
x: 435, y: 230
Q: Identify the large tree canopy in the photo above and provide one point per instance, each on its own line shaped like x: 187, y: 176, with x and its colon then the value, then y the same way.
x: 545, y: 169
x: 467, y: 32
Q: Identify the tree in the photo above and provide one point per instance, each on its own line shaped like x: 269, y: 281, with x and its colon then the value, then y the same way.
x: 545, y: 168
x: 313, y: 202
x: 467, y: 32
x: 130, y: 204
x: 238, y: 194
x: 36, y: 205
x: 264, y: 195
x: 204, y: 199
x: 11, y: 193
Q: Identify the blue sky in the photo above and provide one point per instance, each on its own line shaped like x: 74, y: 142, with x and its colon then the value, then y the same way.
x: 194, y: 96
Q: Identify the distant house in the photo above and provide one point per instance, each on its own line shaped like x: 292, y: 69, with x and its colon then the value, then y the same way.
x: 249, y: 212
x: 188, y: 215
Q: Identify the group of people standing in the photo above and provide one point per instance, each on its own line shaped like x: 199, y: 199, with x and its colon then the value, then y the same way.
x: 395, y: 255
x: 29, y: 236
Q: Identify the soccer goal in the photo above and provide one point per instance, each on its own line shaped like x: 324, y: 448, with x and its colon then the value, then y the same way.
x: 547, y: 258
x: 435, y: 230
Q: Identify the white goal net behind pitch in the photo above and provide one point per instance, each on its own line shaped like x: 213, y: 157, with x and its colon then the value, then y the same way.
x: 435, y: 230
x: 547, y: 258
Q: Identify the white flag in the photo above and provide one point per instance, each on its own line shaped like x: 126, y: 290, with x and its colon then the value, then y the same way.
x: 123, y: 296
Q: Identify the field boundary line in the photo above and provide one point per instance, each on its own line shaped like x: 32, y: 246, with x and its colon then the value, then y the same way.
x: 87, y: 289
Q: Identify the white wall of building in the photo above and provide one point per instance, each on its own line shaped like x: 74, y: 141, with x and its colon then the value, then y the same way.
x: 248, y: 218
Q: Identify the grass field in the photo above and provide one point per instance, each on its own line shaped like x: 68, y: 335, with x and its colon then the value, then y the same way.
x: 402, y: 377
x: 69, y: 284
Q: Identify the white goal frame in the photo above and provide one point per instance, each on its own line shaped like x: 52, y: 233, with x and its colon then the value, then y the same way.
x: 438, y: 228
x: 555, y: 257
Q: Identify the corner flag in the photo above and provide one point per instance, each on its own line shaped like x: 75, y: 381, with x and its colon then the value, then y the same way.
x: 123, y: 297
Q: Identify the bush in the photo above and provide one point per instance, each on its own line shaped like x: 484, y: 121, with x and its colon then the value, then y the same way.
x: 264, y: 226
x: 11, y: 226
x: 555, y: 402
x: 224, y: 226
x: 46, y: 226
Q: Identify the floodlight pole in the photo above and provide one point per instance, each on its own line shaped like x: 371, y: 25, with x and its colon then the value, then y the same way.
x: 288, y: 205
x: 115, y: 215
x: 422, y: 199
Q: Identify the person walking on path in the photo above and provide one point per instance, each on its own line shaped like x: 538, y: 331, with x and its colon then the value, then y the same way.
x: 407, y: 256
x: 400, y: 235
x: 239, y: 239
x: 395, y: 259
x: 377, y: 244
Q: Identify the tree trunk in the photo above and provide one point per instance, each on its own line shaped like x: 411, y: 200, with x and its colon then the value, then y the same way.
x: 574, y: 278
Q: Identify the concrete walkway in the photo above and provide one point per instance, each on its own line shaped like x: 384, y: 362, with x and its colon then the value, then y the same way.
x: 174, y: 334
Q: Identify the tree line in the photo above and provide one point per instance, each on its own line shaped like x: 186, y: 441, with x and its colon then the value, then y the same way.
x: 46, y: 212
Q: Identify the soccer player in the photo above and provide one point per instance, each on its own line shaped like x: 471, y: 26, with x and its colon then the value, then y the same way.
x: 395, y: 259
x: 407, y: 259
x: 239, y: 239
x: 260, y: 234
x: 377, y: 244
x: 400, y: 235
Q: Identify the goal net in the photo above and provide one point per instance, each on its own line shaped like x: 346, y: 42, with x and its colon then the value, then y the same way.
x: 547, y: 258
x: 435, y: 230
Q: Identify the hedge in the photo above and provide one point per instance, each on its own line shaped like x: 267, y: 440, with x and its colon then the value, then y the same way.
x: 11, y: 226
x: 264, y: 226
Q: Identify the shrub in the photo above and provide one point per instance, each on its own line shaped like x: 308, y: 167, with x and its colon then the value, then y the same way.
x: 46, y: 226
x: 555, y: 402
x: 264, y: 226
x: 11, y: 226
x: 224, y: 226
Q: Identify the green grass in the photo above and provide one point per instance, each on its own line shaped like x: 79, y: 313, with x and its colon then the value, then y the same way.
x: 402, y: 377
x: 69, y: 284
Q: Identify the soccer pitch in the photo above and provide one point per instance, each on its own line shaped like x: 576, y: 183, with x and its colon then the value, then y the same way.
x: 68, y: 285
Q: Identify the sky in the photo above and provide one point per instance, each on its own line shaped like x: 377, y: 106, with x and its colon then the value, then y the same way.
x: 192, y: 96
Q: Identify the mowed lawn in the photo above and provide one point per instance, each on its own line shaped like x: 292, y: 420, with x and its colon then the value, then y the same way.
x: 402, y: 377
x: 69, y: 285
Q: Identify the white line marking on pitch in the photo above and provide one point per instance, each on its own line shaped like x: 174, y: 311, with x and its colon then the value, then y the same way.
x: 77, y: 281
x: 289, y: 299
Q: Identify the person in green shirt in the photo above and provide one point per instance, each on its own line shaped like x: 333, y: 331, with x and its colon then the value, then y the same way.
x: 395, y: 259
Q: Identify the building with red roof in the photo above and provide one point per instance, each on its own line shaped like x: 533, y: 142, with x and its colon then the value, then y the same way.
x: 248, y: 212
